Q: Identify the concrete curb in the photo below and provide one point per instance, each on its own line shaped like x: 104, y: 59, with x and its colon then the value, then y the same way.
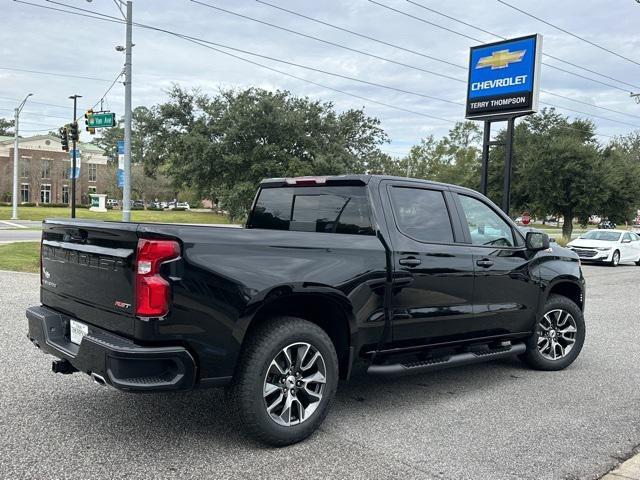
x: 20, y: 273
x: 629, y: 470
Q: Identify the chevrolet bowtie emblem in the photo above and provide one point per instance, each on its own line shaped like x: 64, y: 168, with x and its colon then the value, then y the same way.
x: 500, y: 59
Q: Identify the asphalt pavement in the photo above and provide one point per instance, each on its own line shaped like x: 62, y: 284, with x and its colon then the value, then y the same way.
x: 19, y: 231
x: 492, y: 421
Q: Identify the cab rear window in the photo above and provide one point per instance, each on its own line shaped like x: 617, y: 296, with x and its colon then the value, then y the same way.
x: 340, y: 209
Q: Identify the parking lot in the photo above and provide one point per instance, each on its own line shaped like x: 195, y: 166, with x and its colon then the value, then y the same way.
x: 491, y: 421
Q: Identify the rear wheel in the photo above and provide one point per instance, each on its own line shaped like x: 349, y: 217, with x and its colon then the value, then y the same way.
x: 287, y: 377
x: 615, y: 259
x: 559, y: 336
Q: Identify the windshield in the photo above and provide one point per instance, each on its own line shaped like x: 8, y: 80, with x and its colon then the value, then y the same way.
x: 601, y: 235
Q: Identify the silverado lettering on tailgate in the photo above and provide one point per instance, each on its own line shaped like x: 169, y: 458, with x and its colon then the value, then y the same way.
x: 85, y: 259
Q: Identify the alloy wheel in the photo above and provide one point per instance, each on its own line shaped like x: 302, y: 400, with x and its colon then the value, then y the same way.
x: 557, y: 333
x: 294, y: 384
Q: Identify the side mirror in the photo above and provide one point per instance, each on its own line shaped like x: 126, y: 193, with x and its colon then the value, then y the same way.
x: 537, y: 241
x: 626, y: 240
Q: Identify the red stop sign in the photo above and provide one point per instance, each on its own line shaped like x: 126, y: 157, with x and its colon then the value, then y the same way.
x: 526, y: 219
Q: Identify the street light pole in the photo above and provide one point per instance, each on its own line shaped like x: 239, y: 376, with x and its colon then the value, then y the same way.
x: 14, y: 199
x: 126, y: 191
x: 73, y: 154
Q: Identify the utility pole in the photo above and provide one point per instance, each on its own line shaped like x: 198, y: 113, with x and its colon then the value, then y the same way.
x: 635, y: 96
x: 126, y: 191
x: 74, y: 139
x: 14, y: 199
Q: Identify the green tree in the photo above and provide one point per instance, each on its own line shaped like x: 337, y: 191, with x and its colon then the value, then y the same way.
x: 143, y: 128
x: 620, y: 173
x: 453, y: 159
x: 556, y: 168
x: 224, y: 145
x: 6, y: 127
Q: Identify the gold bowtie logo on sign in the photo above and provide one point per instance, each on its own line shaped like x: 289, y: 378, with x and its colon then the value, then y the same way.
x: 500, y: 59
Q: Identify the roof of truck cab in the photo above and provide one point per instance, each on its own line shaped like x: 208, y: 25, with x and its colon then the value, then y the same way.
x: 364, y: 179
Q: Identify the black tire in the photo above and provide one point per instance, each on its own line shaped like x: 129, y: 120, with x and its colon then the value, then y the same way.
x: 615, y: 259
x: 534, y: 358
x: 245, y: 395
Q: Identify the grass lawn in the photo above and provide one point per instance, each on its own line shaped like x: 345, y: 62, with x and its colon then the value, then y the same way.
x: 20, y: 256
x: 153, y: 216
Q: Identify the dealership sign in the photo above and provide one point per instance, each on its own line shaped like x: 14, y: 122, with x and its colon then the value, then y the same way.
x: 504, y: 78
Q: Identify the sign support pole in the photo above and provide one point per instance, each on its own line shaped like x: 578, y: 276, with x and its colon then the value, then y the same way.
x: 486, y: 139
x: 508, y: 158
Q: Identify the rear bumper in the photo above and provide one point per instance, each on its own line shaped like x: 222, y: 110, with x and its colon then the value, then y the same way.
x: 122, y: 363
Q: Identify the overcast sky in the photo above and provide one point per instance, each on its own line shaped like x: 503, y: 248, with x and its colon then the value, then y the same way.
x: 44, y: 40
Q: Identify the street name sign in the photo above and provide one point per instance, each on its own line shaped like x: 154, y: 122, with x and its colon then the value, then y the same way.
x: 101, y: 120
x: 503, y: 78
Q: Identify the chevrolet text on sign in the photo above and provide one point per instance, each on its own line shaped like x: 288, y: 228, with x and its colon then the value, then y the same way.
x: 503, y: 78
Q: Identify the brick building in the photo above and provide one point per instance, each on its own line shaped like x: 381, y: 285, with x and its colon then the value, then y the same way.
x: 43, y: 175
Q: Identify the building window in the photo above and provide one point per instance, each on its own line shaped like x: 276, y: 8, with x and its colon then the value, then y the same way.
x: 93, y: 172
x: 24, y: 193
x: 45, y: 193
x: 65, y: 194
x: 92, y: 189
x: 24, y: 168
x: 46, y: 169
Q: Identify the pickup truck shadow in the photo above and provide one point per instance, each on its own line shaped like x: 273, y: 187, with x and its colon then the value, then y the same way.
x: 202, y: 414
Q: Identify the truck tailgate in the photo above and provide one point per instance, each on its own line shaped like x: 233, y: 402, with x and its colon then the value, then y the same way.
x: 88, y: 271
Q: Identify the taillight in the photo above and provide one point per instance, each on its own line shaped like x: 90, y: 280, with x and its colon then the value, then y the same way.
x: 153, y: 292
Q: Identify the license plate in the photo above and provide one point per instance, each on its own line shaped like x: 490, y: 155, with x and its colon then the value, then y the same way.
x: 78, y: 330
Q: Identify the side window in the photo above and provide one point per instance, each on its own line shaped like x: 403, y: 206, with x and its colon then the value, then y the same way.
x: 485, y: 225
x: 339, y: 209
x: 422, y: 214
x: 626, y: 237
x: 634, y: 237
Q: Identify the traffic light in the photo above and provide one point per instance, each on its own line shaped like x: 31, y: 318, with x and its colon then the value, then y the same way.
x: 74, y: 132
x: 87, y: 117
x: 64, y: 138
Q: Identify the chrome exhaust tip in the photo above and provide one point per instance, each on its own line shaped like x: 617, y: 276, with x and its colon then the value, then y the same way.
x: 99, y: 379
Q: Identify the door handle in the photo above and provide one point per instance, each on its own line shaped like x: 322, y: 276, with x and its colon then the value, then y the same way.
x: 410, y: 261
x: 485, y: 262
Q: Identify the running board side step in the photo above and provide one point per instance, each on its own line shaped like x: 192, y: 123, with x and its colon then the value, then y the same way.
x: 438, y: 363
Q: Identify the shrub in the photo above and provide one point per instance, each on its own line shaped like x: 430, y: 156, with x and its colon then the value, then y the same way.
x: 56, y: 205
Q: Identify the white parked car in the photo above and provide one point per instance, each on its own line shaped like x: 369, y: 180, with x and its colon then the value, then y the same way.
x: 181, y: 205
x: 607, y: 246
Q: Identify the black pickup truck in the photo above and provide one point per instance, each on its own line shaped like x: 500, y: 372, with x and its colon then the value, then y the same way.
x: 405, y: 276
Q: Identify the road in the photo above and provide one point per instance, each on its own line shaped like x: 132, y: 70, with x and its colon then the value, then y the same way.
x: 491, y: 421
x: 19, y: 231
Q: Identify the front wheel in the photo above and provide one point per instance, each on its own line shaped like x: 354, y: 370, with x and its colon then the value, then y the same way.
x: 287, y: 377
x: 615, y: 259
x: 558, y: 337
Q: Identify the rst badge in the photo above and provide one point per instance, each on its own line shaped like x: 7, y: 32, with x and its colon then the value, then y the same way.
x: 503, y: 78
x: 123, y: 305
